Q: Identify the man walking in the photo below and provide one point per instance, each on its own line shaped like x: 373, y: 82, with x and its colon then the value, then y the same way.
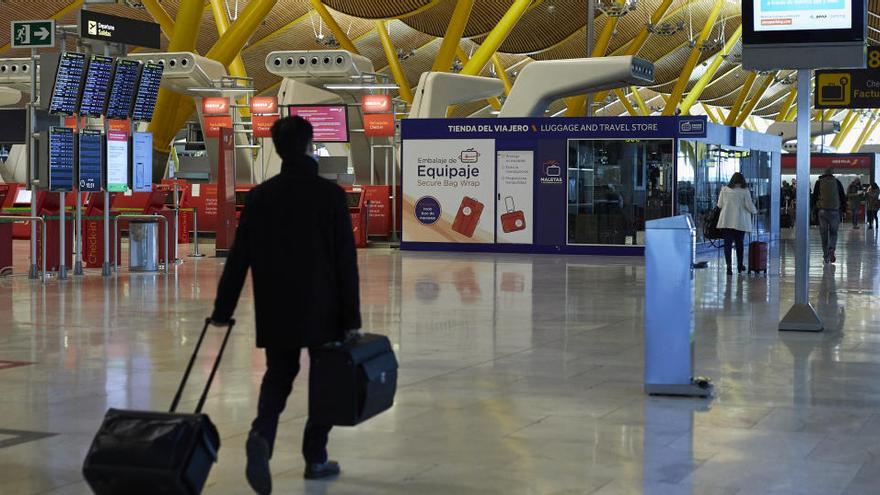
x: 295, y: 235
x: 829, y: 200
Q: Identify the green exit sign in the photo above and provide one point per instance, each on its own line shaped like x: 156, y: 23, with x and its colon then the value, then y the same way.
x: 33, y: 34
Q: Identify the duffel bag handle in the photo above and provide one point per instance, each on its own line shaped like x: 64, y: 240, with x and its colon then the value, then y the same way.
x: 192, y: 361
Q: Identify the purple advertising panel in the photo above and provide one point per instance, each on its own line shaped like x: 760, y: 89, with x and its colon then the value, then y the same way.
x: 330, y: 122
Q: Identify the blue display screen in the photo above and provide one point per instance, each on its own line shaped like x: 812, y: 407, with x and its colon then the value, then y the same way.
x: 91, y: 160
x: 61, y: 159
x: 68, y: 83
x: 142, y: 161
x: 97, y: 86
x: 124, y: 86
x: 148, y: 91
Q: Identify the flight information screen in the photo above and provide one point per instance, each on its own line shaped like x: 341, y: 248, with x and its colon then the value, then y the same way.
x: 123, y: 89
x: 148, y: 91
x: 97, y: 86
x: 68, y: 83
x: 91, y: 160
x: 61, y: 159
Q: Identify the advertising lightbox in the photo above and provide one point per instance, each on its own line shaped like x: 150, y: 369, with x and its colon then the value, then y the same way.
x: 142, y: 161
x: 117, y: 161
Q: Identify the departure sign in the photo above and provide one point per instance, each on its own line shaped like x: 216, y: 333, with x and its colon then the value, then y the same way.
x: 91, y: 160
x: 68, y: 83
x: 148, y: 91
x: 117, y: 161
x: 142, y: 161
x: 61, y: 159
x: 124, y: 86
x: 97, y: 86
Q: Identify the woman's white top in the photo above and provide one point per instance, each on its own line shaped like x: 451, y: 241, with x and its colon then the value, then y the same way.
x: 737, y: 209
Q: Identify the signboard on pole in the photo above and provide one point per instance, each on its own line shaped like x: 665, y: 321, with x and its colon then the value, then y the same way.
x: 116, y: 29
x: 854, y: 88
x: 33, y: 34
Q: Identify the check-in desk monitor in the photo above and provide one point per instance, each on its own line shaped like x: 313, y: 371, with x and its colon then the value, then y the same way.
x: 68, y: 84
x: 23, y: 198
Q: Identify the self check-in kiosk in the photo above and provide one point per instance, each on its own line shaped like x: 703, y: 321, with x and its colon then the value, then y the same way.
x: 359, y: 211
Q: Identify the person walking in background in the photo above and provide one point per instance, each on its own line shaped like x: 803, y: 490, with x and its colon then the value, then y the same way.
x: 854, y: 198
x: 829, y: 201
x: 735, y: 218
x: 295, y: 236
x: 872, y: 204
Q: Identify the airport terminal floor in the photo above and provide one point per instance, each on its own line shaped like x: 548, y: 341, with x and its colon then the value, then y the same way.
x: 520, y: 374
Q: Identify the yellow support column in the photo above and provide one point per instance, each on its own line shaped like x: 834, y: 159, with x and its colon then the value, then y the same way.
x: 331, y: 23
x: 165, y: 122
x: 457, y: 24
x: 639, y: 41
x: 693, y: 58
x: 756, y: 98
x: 576, y: 106
x: 495, y: 38
x: 848, y: 123
x: 707, y: 76
x: 494, y: 102
x: 709, y: 113
x: 160, y: 15
x: 640, y: 101
x: 394, y: 62
x: 741, y: 99
x: 625, y: 102
x: 236, y: 67
x: 866, y: 131
x: 786, y: 105
x: 501, y: 73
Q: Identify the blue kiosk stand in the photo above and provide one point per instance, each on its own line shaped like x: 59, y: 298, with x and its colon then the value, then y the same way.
x: 670, y: 249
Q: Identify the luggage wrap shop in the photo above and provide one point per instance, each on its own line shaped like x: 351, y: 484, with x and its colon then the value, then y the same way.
x: 572, y: 185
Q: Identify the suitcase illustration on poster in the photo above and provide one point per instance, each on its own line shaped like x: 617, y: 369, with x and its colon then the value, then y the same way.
x: 468, y: 216
x: 758, y: 253
x: 514, y: 220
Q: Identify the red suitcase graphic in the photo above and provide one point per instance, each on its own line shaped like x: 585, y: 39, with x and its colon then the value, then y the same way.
x: 468, y: 216
x: 514, y: 220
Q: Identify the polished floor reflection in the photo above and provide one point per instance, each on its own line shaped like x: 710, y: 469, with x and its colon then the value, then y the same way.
x: 519, y: 375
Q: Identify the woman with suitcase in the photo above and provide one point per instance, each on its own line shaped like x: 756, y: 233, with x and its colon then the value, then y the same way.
x: 735, y: 219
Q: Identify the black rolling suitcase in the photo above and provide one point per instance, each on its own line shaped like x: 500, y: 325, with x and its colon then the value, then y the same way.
x: 352, y: 381
x: 145, y: 452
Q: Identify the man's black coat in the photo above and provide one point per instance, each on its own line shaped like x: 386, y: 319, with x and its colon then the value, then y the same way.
x: 295, y: 235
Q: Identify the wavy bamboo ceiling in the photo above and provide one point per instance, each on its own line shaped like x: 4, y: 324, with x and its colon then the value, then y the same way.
x: 550, y: 29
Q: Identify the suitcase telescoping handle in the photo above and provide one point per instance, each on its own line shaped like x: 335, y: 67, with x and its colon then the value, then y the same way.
x: 192, y: 360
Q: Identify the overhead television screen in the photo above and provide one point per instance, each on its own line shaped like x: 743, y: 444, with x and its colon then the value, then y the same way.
x: 147, y: 92
x: 68, y: 82
x: 122, y: 92
x: 61, y: 159
x: 97, y: 86
x: 142, y: 161
x: 91, y: 160
x: 330, y: 122
x: 803, y: 21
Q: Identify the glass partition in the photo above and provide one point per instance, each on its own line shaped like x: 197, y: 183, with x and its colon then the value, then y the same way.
x: 703, y: 169
x: 614, y: 186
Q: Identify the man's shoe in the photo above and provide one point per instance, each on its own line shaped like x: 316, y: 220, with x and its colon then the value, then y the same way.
x: 321, y: 470
x: 831, y: 256
x: 257, y: 471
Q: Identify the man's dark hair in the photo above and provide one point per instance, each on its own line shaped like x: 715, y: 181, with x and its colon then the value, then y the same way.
x: 291, y: 136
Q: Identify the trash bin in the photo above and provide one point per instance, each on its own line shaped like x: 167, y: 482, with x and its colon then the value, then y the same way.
x: 143, y: 250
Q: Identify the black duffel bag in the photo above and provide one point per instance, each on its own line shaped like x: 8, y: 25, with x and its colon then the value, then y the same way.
x: 145, y: 452
x: 710, y: 226
x: 352, y: 381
